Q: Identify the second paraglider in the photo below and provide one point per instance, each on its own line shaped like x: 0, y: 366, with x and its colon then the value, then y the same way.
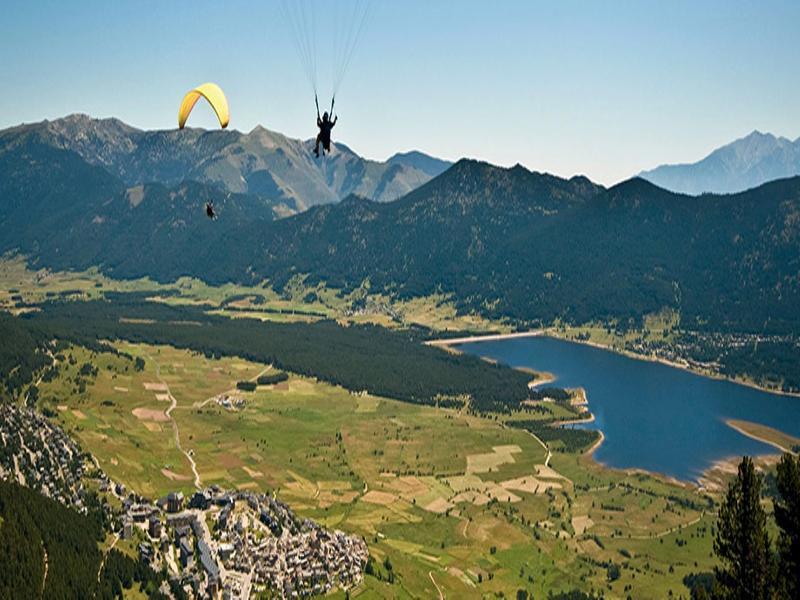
x: 213, y: 95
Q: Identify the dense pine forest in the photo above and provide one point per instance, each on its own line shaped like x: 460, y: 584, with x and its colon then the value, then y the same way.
x: 39, y: 535
x: 22, y: 353
x: 395, y: 364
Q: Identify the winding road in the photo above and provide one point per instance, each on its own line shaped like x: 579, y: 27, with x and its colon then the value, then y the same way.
x: 436, y: 585
x: 168, y: 413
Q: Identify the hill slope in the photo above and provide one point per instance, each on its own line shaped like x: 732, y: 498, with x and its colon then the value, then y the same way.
x: 743, y: 164
x: 510, y: 243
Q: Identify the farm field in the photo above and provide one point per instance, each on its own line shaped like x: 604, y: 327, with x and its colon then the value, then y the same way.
x: 448, y: 499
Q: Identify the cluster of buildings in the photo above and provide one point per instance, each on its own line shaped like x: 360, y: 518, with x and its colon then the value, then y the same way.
x: 226, y: 544
x: 214, y: 544
x: 263, y: 537
x: 229, y: 402
x: 37, y: 454
x: 370, y: 306
x: 702, y: 351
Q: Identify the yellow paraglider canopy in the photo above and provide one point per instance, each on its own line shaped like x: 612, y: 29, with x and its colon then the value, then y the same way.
x: 215, y: 97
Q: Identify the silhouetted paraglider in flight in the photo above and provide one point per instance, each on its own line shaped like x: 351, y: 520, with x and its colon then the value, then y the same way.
x: 213, y: 95
x: 337, y: 38
x: 325, y: 125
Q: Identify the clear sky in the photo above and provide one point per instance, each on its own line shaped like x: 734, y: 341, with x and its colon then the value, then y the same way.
x: 604, y: 88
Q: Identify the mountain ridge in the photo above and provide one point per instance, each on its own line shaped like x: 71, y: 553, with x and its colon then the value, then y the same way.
x: 281, y: 169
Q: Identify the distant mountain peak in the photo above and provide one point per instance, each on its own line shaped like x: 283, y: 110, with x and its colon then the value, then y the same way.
x: 745, y: 163
x: 82, y: 119
x: 757, y: 134
x: 414, y: 159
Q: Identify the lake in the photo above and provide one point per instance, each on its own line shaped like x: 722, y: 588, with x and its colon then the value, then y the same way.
x: 654, y: 417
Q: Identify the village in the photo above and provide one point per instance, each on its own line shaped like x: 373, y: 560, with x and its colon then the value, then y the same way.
x: 220, y: 543
x: 214, y: 544
x: 37, y: 454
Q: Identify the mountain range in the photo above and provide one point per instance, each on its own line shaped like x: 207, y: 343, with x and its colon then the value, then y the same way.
x: 280, y: 170
x: 743, y: 164
x: 506, y: 243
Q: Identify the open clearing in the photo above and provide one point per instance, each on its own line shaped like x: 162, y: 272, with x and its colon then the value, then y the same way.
x: 148, y: 414
x: 175, y: 476
x: 483, y: 463
x: 156, y: 387
x: 530, y: 485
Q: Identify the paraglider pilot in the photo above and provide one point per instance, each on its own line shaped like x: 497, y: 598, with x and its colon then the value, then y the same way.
x: 325, y: 125
x: 210, y: 210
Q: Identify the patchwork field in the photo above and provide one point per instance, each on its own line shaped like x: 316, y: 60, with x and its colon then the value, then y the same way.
x: 454, y: 501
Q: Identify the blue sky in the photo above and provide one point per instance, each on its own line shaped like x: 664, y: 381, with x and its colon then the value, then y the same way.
x: 599, y: 88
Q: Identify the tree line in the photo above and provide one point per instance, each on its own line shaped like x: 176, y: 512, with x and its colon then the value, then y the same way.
x: 570, y: 438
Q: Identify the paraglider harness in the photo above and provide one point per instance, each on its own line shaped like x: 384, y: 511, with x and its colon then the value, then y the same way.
x: 324, y: 135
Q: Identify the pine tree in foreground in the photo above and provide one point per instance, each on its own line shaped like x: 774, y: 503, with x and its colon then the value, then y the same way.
x: 741, y: 541
x: 787, y: 516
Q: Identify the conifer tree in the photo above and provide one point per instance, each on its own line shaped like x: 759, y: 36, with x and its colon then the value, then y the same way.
x: 787, y: 516
x: 741, y: 540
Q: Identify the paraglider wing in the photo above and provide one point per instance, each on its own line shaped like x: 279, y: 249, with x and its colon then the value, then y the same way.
x: 215, y: 97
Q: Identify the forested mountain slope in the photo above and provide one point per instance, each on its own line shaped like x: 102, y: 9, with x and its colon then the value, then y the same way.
x: 508, y: 243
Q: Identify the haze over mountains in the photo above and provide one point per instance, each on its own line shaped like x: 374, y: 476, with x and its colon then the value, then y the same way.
x: 281, y: 170
x: 743, y: 164
x: 507, y: 243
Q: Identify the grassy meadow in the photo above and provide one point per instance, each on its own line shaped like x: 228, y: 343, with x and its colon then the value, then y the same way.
x: 453, y: 500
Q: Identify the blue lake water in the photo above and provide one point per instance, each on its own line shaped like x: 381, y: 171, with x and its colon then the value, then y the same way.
x: 653, y: 416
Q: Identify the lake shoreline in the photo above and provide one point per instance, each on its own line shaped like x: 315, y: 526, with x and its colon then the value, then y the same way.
x: 591, y: 449
x: 702, y: 477
x: 489, y: 337
x: 550, y: 332
x: 675, y: 365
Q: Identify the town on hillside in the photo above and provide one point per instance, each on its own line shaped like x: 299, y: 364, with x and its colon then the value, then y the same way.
x: 214, y: 544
